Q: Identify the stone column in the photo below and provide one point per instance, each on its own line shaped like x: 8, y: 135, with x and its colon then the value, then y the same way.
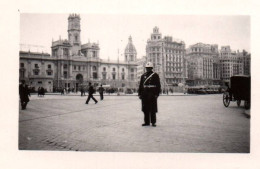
x: 61, y: 69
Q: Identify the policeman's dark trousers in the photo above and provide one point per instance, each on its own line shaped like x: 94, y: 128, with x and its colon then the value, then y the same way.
x: 149, y: 117
x: 91, y: 96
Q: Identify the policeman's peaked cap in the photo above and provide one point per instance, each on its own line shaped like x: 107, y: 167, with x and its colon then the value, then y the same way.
x: 149, y: 64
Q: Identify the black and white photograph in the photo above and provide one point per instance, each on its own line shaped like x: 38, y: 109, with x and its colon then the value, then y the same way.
x: 137, y: 84
x: 134, y: 83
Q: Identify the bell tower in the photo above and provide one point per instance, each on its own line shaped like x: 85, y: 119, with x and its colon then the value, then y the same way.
x: 74, y: 33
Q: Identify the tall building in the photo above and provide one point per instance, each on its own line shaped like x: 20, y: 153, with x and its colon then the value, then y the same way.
x: 231, y: 63
x: 73, y: 64
x: 245, y: 58
x: 203, y: 68
x: 140, y: 67
x: 167, y: 55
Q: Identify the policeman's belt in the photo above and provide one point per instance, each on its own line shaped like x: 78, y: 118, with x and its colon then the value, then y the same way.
x: 149, y: 86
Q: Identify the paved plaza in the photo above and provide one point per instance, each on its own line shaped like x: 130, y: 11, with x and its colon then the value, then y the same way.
x: 185, y: 123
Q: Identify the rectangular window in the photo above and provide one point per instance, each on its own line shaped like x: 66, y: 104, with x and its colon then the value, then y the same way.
x: 36, y: 65
x: 114, y: 76
x: 123, y: 77
x: 79, y: 67
x: 22, y: 64
x: 66, y: 52
x: 36, y: 73
x: 49, y: 73
x: 132, y: 77
x: 132, y: 70
x: 65, y: 74
x: 49, y: 66
x: 75, y: 67
x: 65, y: 66
x: 39, y: 82
x: 22, y: 74
x: 94, y: 75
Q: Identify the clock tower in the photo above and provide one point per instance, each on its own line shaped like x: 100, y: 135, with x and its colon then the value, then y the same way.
x: 74, y: 33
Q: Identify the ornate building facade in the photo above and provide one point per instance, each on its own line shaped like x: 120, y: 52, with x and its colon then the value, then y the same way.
x: 141, y: 62
x: 203, y: 68
x: 72, y: 64
x: 233, y: 63
x: 207, y: 65
x: 167, y: 55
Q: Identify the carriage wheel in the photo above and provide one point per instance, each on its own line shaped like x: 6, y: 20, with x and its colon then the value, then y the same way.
x: 226, y: 99
x: 238, y: 102
x: 247, y: 104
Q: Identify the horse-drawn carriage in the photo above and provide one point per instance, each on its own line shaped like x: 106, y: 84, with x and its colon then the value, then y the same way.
x: 240, y: 89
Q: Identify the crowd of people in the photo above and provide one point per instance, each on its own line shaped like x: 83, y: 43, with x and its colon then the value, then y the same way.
x: 41, y: 92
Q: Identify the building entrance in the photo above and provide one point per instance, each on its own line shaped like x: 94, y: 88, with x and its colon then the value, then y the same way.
x: 79, y: 81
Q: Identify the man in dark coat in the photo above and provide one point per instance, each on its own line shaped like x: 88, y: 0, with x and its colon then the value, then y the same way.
x: 90, y: 94
x: 149, y: 90
x: 101, y: 91
x: 24, y: 93
x: 81, y: 91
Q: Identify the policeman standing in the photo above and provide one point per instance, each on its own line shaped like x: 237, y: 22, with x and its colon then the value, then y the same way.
x: 149, y: 90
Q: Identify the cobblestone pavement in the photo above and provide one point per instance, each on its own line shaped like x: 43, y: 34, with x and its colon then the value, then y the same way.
x: 184, y: 124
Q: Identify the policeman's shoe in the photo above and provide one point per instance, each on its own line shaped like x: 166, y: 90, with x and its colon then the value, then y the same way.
x: 86, y: 103
x: 96, y: 102
x: 145, y: 124
x: 154, y: 125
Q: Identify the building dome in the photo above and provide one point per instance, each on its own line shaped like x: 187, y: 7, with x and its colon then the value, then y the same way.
x: 130, y: 48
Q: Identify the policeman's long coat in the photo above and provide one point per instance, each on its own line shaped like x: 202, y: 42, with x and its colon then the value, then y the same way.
x: 149, y: 96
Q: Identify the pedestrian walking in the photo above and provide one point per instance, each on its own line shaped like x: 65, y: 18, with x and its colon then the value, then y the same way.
x: 24, y: 94
x: 149, y: 90
x: 42, y: 91
x: 81, y: 91
x: 90, y: 94
x: 101, y: 91
x: 39, y: 91
x: 84, y: 91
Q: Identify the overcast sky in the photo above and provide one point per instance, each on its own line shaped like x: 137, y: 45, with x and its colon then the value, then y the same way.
x: 112, y: 31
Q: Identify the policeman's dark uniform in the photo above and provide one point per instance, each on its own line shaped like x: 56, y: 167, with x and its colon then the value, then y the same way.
x: 24, y: 93
x: 149, y: 90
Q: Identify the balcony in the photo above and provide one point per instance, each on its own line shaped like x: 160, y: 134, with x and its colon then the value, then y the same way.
x: 40, y: 77
x: 36, y: 70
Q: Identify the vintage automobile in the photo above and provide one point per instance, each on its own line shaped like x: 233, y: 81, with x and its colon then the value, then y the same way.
x: 240, y: 89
